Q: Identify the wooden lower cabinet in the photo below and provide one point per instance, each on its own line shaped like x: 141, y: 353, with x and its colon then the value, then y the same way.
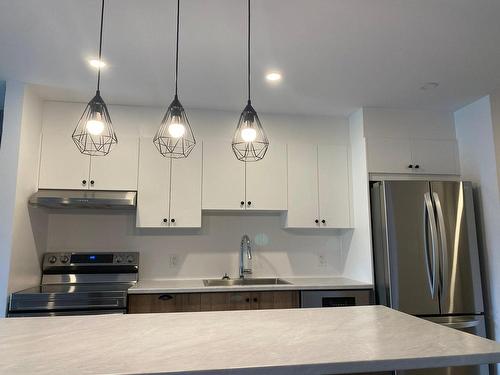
x: 224, y: 301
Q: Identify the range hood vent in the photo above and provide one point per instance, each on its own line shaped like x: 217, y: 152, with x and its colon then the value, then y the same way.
x: 97, y: 199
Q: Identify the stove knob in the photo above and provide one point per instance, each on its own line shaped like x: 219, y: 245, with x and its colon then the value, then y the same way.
x: 130, y: 259
x: 64, y: 259
x: 118, y: 259
x: 52, y: 259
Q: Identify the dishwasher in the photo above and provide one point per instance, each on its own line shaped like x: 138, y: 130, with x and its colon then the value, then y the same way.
x: 336, y: 298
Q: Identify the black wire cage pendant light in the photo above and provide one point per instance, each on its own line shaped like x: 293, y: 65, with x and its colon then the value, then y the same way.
x: 94, y: 134
x: 175, y: 138
x: 250, y: 142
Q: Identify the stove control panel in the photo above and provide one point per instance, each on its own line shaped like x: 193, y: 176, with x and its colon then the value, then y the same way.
x: 85, y: 259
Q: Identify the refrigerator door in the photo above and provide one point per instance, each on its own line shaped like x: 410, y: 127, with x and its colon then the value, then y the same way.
x: 459, y: 277
x: 473, y: 324
x: 408, y: 226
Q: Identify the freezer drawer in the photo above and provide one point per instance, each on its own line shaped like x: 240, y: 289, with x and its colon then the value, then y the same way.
x: 473, y: 324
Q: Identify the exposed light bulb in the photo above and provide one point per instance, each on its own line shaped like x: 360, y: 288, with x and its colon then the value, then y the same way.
x: 248, y: 134
x: 95, y: 127
x: 94, y: 63
x: 176, y: 129
x: 273, y: 76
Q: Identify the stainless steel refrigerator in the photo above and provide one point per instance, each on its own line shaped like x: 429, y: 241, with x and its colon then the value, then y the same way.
x: 426, y: 257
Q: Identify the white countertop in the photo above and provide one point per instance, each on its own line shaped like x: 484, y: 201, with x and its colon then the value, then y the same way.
x: 296, y: 341
x: 196, y: 285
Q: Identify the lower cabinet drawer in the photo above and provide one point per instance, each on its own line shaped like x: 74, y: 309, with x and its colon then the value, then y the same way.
x: 224, y: 301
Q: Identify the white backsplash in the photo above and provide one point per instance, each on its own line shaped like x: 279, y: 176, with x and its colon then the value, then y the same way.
x: 207, y: 252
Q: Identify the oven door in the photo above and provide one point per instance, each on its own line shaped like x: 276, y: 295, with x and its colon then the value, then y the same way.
x: 63, y: 313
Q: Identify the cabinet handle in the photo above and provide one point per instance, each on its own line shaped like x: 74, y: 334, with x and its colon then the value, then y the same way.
x: 255, y: 300
x: 417, y: 166
x: 247, y: 300
x: 84, y: 182
x: 92, y: 182
x: 323, y: 221
x: 242, y: 203
x: 249, y: 203
x: 165, y: 297
x: 172, y: 220
x: 316, y: 221
x: 165, y: 220
x: 410, y: 166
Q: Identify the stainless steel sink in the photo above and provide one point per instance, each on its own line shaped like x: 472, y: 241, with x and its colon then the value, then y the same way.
x: 231, y: 282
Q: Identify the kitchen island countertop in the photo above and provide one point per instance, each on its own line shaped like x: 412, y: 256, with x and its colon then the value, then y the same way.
x: 297, y: 341
x: 196, y: 285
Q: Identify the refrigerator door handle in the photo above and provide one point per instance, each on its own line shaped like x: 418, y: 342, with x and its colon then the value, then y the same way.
x: 429, y: 218
x: 462, y: 325
x: 444, y: 247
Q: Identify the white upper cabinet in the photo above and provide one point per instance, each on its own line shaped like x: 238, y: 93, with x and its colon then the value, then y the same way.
x: 117, y: 170
x: 334, y: 187
x: 302, y: 186
x: 416, y: 156
x: 185, y: 190
x: 153, y: 189
x: 388, y: 155
x: 62, y: 166
x: 318, y: 187
x: 169, y: 190
x: 435, y: 157
x: 223, y: 178
x: 266, y: 181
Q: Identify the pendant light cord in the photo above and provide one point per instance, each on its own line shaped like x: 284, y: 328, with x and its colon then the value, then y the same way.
x: 248, y: 51
x: 100, y: 48
x: 177, y: 48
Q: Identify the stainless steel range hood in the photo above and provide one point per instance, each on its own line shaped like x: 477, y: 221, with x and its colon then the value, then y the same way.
x: 97, y: 199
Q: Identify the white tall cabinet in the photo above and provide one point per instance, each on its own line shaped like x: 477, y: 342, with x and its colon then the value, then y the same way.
x: 169, y: 190
x: 229, y: 184
x: 318, y: 187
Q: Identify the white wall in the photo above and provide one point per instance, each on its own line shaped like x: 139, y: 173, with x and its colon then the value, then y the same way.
x: 474, y: 129
x: 18, y: 173
x: 495, y: 114
x: 214, y: 249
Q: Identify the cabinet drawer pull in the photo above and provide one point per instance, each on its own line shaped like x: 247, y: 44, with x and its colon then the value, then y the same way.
x: 84, y: 182
x: 165, y: 297
x: 242, y: 203
x: 316, y: 221
x: 255, y: 300
x: 410, y: 166
x: 323, y: 221
x: 165, y: 220
x: 247, y: 300
x: 172, y: 220
x: 417, y: 166
x: 249, y: 203
x: 92, y: 182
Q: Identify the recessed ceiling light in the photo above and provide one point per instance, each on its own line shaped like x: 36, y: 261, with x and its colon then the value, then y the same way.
x: 97, y: 63
x: 430, y: 86
x: 273, y: 76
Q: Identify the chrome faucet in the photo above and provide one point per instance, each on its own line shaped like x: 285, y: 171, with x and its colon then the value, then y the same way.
x: 245, y: 247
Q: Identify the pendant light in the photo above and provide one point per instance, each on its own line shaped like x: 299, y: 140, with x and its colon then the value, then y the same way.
x: 94, y: 134
x: 250, y: 142
x: 175, y: 138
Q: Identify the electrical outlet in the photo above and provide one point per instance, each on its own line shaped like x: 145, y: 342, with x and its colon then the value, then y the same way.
x: 322, y: 262
x: 173, y: 261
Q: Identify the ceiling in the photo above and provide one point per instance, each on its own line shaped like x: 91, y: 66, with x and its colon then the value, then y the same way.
x: 335, y: 55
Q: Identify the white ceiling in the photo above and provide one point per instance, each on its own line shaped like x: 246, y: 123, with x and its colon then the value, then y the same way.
x: 335, y: 55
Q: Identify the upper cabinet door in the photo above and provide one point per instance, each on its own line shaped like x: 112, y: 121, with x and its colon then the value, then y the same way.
x: 185, y: 190
x: 388, y: 155
x: 62, y: 166
x: 334, y: 187
x: 266, y: 181
x: 223, y: 178
x: 435, y: 156
x: 302, y: 186
x: 153, y: 187
x: 117, y: 170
